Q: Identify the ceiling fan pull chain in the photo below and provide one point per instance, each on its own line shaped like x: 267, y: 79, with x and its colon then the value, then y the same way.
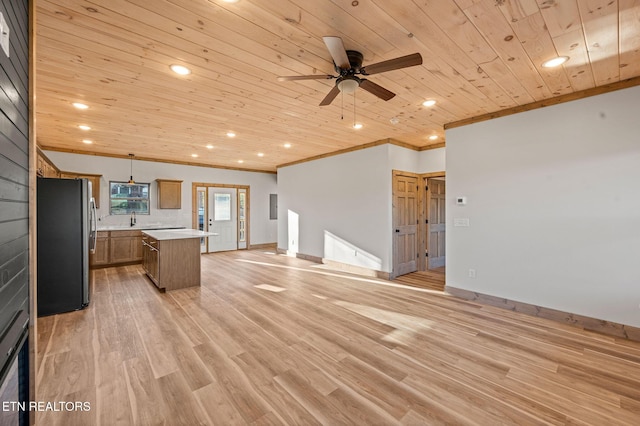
x: 342, y: 106
x: 354, y: 110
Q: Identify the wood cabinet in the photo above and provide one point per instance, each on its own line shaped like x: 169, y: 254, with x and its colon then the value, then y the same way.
x: 45, y: 167
x: 117, y: 248
x: 150, y: 258
x: 172, y: 264
x: 95, y: 182
x: 169, y: 194
x: 101, y: 255
x: 125, y: 247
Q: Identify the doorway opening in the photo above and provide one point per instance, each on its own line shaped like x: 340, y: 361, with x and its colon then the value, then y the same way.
x: 222, y: 209
x: 419, y: 228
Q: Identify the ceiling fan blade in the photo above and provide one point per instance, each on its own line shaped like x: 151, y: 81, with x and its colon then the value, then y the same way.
x: 392, y: 64
x: 305, y: 77
x: 377, y: 90
x: 330, y: 96
x: 337, y: 51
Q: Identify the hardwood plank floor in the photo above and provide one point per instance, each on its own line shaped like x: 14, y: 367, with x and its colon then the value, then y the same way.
x: 432, y: 279
x: 270, y: 339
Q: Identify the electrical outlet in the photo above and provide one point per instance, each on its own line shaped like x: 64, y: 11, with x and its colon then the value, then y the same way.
x: 472, y: 273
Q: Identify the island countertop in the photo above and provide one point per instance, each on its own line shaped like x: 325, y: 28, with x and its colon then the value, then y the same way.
x: 176, y: 234
x: 136, y: 227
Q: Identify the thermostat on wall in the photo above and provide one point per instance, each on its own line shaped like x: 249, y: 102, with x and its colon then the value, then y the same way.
x: 461, y: 201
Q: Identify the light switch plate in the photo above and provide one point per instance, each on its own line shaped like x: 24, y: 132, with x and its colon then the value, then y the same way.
x: 461, y: 222
x: 4, y: 35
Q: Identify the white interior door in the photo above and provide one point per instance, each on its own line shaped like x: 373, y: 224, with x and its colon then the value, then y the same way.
x: 223, y: 219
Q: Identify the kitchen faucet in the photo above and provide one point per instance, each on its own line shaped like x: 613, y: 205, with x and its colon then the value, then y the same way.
x: 133, y: 218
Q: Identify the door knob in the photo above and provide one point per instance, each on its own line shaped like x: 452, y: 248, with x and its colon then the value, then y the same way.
x: 397, y: 230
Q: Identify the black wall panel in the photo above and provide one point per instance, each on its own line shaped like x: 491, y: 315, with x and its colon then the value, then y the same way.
x: 14, y: 167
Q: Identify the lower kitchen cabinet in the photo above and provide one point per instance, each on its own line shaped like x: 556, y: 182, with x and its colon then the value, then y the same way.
x: 117, y: 248
x: 101, y: 255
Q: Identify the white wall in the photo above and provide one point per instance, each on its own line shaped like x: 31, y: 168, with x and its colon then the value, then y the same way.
x: 431, y: 160
x: 346, y: 195
x: 344, y: 203
x: 553, y: 207
x: 261, y: 185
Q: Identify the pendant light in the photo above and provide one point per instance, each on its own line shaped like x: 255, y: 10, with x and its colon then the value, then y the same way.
x: 131, y: 181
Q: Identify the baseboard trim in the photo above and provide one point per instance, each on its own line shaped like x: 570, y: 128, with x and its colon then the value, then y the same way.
x: 340, y: 266
x: 357, y: 270
x: 265, y: 246
x: 581, y: 321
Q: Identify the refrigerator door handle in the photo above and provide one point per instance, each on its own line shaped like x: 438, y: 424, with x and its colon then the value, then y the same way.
x: 94, y: 226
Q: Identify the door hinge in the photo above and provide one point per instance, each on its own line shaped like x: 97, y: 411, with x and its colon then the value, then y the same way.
x: 417, y: 222
x: 426, y: 221
x: 426, y: 254
x: 417, y: 187
x: 426, y: 188
x: 418, y: 255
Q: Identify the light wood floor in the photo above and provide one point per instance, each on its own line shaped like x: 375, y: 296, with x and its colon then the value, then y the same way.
x: 432, y: 279
x: 269, y: 339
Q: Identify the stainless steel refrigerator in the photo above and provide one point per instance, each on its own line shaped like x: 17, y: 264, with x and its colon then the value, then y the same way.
x: 66, y: 235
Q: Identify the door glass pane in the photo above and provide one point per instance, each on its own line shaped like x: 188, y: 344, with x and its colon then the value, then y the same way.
x: 242, y: 199
x: 201, y: 209
x: 221, y: 207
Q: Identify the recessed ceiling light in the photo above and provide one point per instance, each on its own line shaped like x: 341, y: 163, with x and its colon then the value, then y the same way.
x: 180, y: 69
x: 194, y: 155
x: 260, y: 154
x: 231, y: 134
x: 240, y: 161
x: 209, y: 146
x: 429, y: 103
x: 555, y: 62
x: 394, y: 120
x: 84, y: 127
x: 433, y: 137
x: 87, y: 141
x: 357, y: 126
x: 80, y: 105
x: 231, y: 1
x: 287, y: 145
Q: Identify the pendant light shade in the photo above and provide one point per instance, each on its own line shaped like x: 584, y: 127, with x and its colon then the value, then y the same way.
x: 131, y: 181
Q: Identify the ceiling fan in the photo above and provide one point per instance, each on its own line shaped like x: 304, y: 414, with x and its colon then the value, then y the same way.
x: 348, y: 64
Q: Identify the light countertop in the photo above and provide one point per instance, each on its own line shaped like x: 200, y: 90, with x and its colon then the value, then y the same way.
x: 176, y: 234
x: 136, y: 227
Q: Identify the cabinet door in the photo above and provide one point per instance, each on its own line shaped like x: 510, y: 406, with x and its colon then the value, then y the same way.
x: 121, y: 249
x: 146, y: 256
x: 169, y: 194
x: 154, y: 266
x: 40, y: 166
x: 101, y: 256
x: 137, y: 248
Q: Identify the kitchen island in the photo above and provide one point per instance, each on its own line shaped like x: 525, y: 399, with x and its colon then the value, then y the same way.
x: 171, y: 257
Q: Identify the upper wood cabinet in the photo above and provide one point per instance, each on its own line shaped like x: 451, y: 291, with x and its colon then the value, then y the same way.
x: 45, y: 167
x: 94, y: 179
x: 169, y: 194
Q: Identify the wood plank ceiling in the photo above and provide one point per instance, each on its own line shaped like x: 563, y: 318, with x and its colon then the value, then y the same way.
x: 480, y: 56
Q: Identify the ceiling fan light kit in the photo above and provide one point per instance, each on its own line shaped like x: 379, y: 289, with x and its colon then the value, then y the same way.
x: 348, y: 63
x: 348, y: 84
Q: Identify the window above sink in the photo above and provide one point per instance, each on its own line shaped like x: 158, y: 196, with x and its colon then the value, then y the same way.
x: 126, y: 198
